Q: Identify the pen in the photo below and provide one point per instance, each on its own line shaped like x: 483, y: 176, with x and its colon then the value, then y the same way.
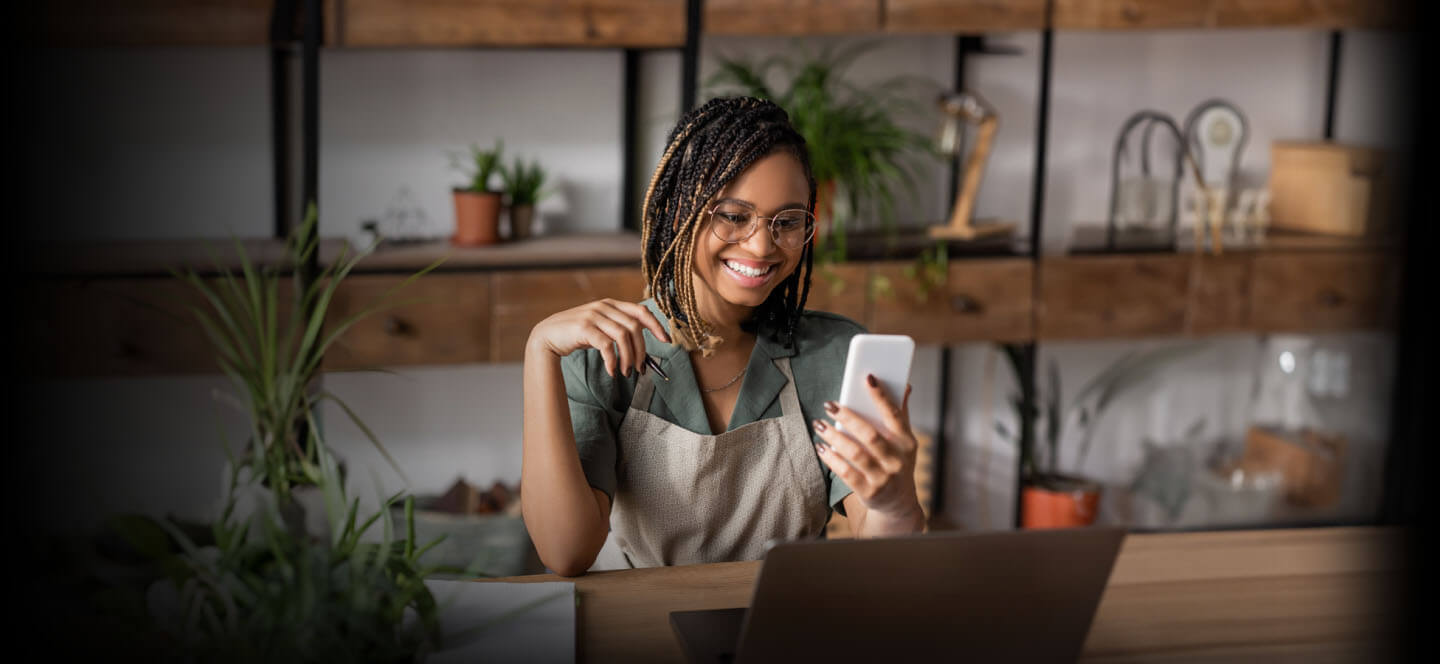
x: 650, y: 362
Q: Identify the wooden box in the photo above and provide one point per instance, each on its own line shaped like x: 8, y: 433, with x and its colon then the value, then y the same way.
x: 1309, y: 462
x: 1328, y: 188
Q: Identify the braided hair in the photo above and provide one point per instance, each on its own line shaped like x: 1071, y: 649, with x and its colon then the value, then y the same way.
x: 708, y: 148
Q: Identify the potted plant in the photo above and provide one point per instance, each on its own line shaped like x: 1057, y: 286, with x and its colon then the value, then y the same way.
x: 477, y: 205
x: 262, y: 582
x: 857, y: 147
x: 523, y: 185
x: 1049, y: 497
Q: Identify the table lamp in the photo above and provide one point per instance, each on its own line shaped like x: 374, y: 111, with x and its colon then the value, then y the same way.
x: 962, y: 109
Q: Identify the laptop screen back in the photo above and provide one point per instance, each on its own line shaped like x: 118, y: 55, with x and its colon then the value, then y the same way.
x: 1003, y: 596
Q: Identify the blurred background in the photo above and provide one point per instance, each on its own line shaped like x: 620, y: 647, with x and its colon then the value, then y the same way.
x: 1151, y: 250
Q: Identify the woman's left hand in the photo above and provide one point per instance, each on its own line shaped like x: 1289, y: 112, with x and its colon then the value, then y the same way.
x: 877, y: 462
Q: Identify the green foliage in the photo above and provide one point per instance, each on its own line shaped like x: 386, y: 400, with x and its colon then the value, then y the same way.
x: 852, y: 132
x: 261, y: 590
x: 524, y: 182
x: 482, y: 166
x: 930, y: 271
x: 271, y: 346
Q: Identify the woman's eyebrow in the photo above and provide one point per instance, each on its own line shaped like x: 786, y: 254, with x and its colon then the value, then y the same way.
x: 786, y: 206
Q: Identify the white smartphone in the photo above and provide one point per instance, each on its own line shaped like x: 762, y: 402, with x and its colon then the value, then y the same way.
x: 887, y: 356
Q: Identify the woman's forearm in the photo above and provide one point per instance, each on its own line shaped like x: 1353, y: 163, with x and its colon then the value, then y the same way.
x: 566, y: 518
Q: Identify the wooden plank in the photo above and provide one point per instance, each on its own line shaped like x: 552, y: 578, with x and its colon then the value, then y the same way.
x: 92, y: 23
x: 451, y: 23
x: 1323, y: 291
x: 791, y: 17
x: 122, y: 327
x: 962, y: 16
x: 1297, y: 595
x: 982, y: 300
x: 443, y: 319
x: 1157, y: 14
x: 1220, y: 293
x: 840, y: 289
x: 523, y: 298
x: 1090, y: 297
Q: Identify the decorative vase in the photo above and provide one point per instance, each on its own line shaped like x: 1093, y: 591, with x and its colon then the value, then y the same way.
x: 1059, y: 502
x: 521, y: 219
x: 477, y: 218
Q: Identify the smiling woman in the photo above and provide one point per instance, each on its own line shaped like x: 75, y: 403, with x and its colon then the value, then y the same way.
x: 728, y: 452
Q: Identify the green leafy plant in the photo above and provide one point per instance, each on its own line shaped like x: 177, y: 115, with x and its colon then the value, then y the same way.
x: 524, y: 183
x: 271, y: 347
x: 852, y: 132
x: 480, y: 167
x: 1083, y: 414
x: 930, y: 271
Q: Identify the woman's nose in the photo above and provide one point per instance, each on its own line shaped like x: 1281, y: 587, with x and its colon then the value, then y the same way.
x: 762, y: 241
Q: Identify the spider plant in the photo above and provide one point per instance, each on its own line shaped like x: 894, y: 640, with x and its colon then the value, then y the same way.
x: 271, y: 346
x: 851, y: 132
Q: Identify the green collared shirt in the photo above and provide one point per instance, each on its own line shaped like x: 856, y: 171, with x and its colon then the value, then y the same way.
x: 599, y: 402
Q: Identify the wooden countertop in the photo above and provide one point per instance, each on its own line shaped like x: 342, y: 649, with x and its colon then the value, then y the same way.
x: 1282, y: 595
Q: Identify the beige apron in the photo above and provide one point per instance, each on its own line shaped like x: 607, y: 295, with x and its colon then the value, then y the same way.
x: 685, y: 498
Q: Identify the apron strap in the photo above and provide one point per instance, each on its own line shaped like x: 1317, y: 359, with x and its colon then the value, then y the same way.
x: 644, y: 387
x: 789, y: 402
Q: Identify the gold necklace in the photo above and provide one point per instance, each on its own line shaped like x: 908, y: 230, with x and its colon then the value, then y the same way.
x: 727, y: 384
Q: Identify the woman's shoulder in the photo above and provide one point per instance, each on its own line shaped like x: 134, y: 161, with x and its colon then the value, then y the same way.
x: 826, y: 332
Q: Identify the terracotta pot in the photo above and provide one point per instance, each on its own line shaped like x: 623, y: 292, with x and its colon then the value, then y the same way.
x: 1059, y: 502
x: 521, y: 220
x: 477, y: 218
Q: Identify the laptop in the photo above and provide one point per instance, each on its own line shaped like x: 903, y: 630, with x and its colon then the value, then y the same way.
x: 1000, y: 596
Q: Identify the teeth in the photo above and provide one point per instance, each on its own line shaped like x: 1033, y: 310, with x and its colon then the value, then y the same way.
x: 745, y: 270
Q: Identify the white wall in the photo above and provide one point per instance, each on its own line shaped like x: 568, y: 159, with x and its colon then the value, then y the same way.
x: 389, y: 116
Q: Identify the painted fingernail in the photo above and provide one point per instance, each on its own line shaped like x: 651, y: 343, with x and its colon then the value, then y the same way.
x: 870, y: 379
x: 822, y: 447
x: 832, y: 407
x: 819, y: 426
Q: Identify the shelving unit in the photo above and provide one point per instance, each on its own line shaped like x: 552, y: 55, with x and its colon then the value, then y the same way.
x: 1013, y: 295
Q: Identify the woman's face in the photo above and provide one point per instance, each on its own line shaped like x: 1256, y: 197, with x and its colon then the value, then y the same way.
x: 744, y: 273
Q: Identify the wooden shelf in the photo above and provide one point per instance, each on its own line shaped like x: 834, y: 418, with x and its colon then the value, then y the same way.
x: 482, y: 304
x: 1192, y: 14
x: 790, y: 17
x: 158, y: 257
x: 962, y: 16
x: 105, y: 23
x: 514, y: 23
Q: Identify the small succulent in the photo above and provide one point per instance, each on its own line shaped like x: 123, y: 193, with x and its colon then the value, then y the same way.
x: 523, y: 182
x: 481, y: 166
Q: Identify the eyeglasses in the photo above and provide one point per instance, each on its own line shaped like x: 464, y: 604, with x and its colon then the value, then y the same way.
x: 735, y: 222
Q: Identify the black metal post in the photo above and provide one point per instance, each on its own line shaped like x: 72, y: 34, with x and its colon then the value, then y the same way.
x: 1332, y: 82
x: 629, y: 148
x: 690, y: 55
x: 282, y: 23
x: 937, y: 485
x: 1042, y: 133
x: 310, y: 128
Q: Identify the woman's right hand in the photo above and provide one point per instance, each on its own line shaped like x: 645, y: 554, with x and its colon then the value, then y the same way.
x: 613, y: 327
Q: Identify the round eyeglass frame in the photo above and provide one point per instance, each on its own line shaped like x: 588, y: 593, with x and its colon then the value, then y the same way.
x: 755, y: 217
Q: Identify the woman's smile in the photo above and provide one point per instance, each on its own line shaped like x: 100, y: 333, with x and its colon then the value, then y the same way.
x: 749, y: 273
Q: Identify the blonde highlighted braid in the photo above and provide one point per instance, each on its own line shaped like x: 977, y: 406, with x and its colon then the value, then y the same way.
x: 708, y: 148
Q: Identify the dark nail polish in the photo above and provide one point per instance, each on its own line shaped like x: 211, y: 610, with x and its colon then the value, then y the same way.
x: 832, y: 407
x: 870, y: 378
x: 822, y: 447
x: 819, y: 426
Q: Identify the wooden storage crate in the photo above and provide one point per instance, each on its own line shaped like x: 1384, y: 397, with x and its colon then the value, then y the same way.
x: 1328, y: 188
